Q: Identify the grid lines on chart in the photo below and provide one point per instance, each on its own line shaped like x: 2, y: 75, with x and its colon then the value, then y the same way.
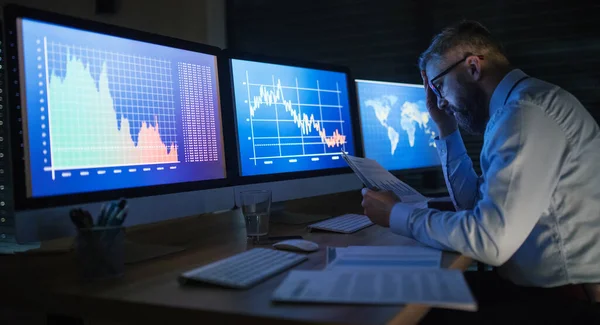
x: 139, y: 95
x: 318, y: 132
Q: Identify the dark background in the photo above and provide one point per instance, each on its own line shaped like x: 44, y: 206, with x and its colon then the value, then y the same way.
x: 557, y: 41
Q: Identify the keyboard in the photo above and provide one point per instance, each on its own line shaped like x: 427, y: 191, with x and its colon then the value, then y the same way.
x: 345, y: 224
x: 244, y: 270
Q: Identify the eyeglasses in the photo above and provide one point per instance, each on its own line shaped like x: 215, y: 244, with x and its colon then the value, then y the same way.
x: 434, y: 88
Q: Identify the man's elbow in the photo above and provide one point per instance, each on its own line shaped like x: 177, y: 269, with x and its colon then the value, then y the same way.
x: 497, y: 256
x: 493, y: 260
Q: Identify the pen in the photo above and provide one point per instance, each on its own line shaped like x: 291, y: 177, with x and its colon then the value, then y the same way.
x: 102, y: 215
x: 81, y: 218
x: 109, y: 213
x: 75, y: 219
x: 88, y: 221
x: 118, y: 212
x: 120, y: 217
x: 122, y: 203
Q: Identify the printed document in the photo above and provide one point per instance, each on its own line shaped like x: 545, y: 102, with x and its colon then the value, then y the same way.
x: 375, y: 177
x: 383, y: 257
x: 435, y: 287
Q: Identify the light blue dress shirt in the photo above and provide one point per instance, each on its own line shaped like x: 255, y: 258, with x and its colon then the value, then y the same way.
x: 535, y: 210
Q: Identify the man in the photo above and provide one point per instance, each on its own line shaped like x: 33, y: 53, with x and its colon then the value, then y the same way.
x: 535, y: 211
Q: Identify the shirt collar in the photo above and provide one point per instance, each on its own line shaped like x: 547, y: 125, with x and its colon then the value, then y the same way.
x: 504, y: 88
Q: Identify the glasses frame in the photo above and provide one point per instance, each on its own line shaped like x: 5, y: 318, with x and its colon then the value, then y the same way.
x: 434, y: 88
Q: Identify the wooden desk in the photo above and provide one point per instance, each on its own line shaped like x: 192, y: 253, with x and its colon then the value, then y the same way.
x: 149, y: 293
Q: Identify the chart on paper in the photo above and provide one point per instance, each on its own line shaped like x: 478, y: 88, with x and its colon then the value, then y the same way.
x: 292, y: 121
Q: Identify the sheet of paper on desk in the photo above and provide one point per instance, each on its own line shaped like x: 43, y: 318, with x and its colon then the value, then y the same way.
x: 436, y: 287
x: 383, y: 257
x: 373, y: 175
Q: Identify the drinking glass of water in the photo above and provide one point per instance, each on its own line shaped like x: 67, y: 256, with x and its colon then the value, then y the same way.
x: 256, y: 208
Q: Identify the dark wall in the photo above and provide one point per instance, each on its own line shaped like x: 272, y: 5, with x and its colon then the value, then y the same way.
x: 558, y: 41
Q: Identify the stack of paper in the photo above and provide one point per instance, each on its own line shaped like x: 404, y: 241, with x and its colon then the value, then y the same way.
x: 383, y: 257
x: 379, y: 275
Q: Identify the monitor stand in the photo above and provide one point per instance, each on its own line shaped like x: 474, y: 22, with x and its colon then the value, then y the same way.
x: 280, y: 215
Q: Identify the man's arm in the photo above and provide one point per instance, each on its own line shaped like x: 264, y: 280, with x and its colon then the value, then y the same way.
x: 461, y: 179
x: 523, y: 156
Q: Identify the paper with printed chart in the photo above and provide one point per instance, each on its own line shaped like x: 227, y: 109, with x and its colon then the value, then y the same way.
x: 435, y: 287
x: 375, y: 177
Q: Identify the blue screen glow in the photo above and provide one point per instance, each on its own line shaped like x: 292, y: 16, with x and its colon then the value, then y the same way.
x: 290, y: 119
x: 397, y: 130
x: 103, y: 112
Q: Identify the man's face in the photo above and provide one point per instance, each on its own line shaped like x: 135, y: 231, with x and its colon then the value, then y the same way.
x: 462, y: 95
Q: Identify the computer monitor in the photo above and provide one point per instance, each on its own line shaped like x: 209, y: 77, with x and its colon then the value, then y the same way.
x: 290, y: 119
x: 293, y: 121
x: 99, y: 112
x: 396, y: 127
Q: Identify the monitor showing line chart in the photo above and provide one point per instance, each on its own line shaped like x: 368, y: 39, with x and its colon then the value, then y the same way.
x: 102, y: 112
x: 290, y: 119
x: 396, y: 127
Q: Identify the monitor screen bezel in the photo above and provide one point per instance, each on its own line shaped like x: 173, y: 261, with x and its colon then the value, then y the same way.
x: 21, y: 200
x: 229, y: 55
x: 396, y: 172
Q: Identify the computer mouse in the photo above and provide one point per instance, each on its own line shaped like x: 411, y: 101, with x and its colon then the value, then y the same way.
x: 298, y: 245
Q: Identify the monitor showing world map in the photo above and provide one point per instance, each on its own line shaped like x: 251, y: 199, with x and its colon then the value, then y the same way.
x: 396, y: 127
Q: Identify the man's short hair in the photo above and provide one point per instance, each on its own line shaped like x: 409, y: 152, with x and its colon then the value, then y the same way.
x: 466, y: 36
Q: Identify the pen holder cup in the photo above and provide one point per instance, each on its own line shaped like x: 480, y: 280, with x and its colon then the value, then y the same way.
x: 100, y: 252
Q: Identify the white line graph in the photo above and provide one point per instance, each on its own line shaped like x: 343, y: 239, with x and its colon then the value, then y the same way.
x: 313, y: 128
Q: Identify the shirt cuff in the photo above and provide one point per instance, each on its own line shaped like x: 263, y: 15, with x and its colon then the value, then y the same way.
x: 451, y: 146
x: 399, y: 218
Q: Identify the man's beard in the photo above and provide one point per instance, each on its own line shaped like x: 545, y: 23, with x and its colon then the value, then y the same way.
x: 471, y: 114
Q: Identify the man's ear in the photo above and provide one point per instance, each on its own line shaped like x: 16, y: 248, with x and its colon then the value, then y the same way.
x: 474, y: 67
